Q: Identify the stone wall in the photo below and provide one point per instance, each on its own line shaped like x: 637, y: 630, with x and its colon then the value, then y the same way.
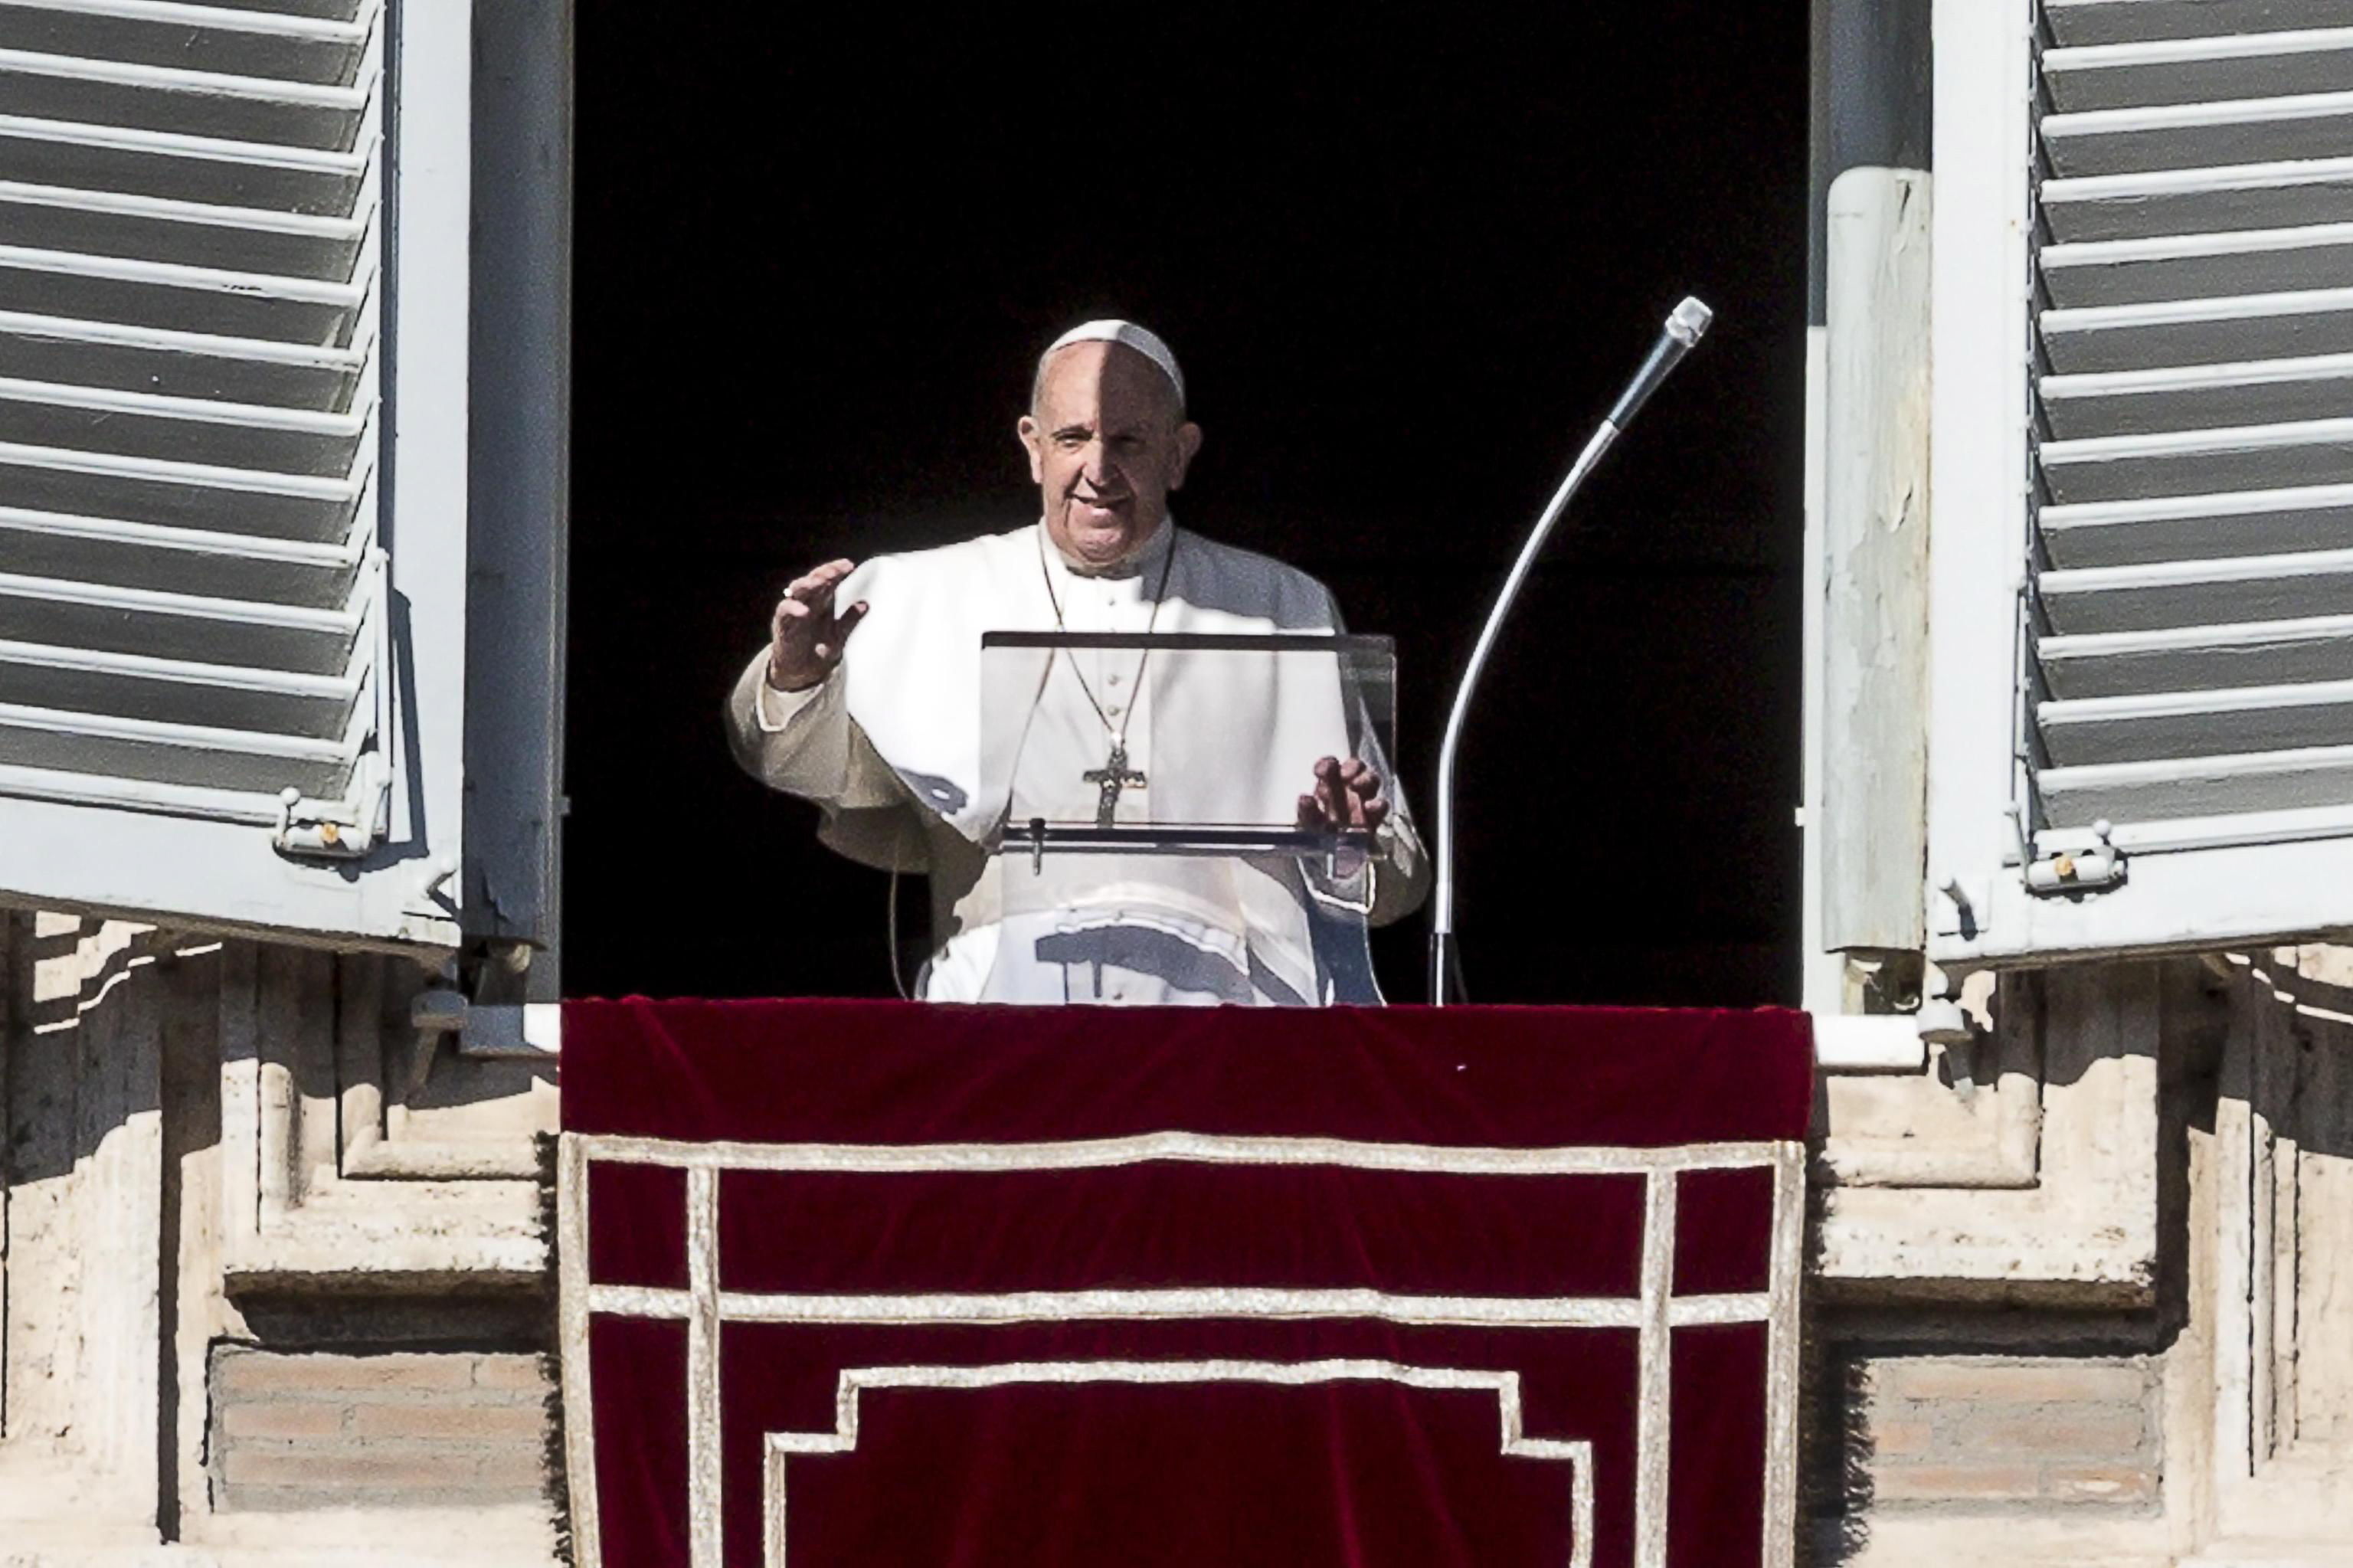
x: 326, y: 1429
x: 1962, y: 1433
x: 274, y: 1278
x: 2077, y: 1298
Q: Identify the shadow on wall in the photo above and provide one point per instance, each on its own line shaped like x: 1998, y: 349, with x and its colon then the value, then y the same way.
x: 2301, y: 1024
x: 92, y: 1010
x: 105, y: 1022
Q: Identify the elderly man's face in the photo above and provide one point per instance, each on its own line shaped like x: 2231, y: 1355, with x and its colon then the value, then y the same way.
x: 1107, y: 446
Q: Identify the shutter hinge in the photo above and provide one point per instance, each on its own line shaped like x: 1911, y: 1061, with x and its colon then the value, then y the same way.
x: 2093, y: 869
x: 335, y: 830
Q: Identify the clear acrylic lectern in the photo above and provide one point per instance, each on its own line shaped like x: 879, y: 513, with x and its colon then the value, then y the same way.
x: 1152, y: 847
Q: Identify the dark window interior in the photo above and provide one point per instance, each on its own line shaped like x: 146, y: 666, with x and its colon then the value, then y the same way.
x: 1407, y: 262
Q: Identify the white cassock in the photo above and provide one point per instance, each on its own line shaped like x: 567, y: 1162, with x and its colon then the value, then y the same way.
x: 891, y: 745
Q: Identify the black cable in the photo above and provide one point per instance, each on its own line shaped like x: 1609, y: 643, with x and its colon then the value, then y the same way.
x: 891, y: 906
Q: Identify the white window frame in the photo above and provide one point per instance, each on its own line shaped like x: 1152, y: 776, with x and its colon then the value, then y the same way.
x: 188, y: 871
x: 2179, y: 894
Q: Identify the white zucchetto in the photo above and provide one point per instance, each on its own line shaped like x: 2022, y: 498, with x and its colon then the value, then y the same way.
x: 1142, y: 339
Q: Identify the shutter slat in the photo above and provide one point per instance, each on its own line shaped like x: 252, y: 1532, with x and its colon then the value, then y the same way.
x: 161, y: 294
x: 2197, y: 658
x: 170, y: 164
x: 178, y: 363
x: 2199, y: 527
x: 189, y: 199
x: 323, y: 51
x: 242, y: 108
x: 2198, y: 330
x: 2199, y: 200
x: 2197, y: 397
x: 217, y: 696
x: 253, y: 808
x: 195, y: 756
x: 109, y: 552
x: 187, y: 234
x: 2192, y: 462
x: 2206, y: 68
x: 2197, y: 787
x: 276, y: 440
x: 194, y: 495
x: 2196, y: 723
x: 320, y: 10
x: 2086, y: 22
x: 2167, y: 594
x: 106, y: 619
x: 2294, y: 127
x: 2207, y: 266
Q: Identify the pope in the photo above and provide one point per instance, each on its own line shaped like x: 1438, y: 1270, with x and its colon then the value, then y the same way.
x: 880, y: 724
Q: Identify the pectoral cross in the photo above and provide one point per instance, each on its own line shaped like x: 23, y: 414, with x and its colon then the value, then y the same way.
x: 1112, y: 777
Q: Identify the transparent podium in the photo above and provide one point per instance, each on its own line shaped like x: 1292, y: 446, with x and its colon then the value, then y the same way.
x: 1153, y: 847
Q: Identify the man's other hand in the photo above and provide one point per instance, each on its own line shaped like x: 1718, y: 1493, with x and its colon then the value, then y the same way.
x: 1348, y: 795
x: 804, y: 635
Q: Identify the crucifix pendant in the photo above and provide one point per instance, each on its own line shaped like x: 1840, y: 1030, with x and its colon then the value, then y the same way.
x: 1109, y: 780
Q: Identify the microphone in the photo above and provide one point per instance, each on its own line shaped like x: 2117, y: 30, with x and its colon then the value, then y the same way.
x: 1683, y: 330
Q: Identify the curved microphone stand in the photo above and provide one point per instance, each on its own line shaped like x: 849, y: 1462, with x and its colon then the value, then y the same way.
x: 1683, y: 329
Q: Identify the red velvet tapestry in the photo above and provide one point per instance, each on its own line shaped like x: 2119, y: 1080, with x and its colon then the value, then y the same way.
x: 853, y: 1283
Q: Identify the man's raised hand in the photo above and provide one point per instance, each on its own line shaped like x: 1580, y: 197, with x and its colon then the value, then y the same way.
x: 805, y: 635
x: 1348, y: 795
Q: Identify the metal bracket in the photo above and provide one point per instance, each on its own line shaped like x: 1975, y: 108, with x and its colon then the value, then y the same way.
x: 496, y: 1032
x: 307, y: 830
x: 335, y: 830
x: 2093, y: 869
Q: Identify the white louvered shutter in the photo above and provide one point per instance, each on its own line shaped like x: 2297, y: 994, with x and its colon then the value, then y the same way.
x: 212, y: 675
x: 2180, y: 625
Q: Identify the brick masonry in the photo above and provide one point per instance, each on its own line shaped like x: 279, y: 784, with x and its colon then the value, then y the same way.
x: 2009, y: 1434
x: 329, y: 1429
